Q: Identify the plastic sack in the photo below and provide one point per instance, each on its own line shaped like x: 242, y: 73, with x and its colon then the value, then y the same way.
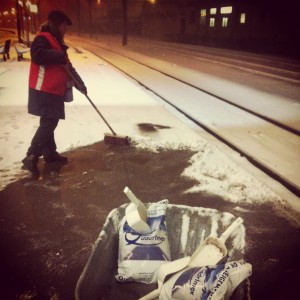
x: 206, y: 283
x: 141, y: 254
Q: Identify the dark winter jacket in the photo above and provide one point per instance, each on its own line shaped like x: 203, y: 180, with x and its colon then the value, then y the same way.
x: 48, y: 104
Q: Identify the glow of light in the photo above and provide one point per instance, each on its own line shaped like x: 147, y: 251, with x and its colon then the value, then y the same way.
x: 213, y: 11
x: 224, y: 22
x: 34, y: 8
x: 226, y: 10
x: 202, y: 16
x: 98, y: 2
x: 243, y: 18
x: 152, y: 1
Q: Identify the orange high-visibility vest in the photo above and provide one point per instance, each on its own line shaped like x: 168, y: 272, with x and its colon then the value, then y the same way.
x: 50, y: 78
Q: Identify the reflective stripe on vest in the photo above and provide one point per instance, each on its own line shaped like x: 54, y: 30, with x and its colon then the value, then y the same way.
x: 40, y: 79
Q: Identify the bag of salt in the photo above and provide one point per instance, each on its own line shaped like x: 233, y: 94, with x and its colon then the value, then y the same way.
x: 140, y: 254
x: 215, y: 282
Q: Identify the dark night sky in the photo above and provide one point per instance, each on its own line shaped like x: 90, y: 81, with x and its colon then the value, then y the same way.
x: 276, y: 5
x: 283, y: 12
x: 6, y: 4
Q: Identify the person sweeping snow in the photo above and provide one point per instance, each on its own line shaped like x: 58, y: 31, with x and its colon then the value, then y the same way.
x: 49, y: 88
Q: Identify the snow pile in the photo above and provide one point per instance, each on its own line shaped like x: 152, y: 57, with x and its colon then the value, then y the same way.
x: 216, y: 173
x: 144, y: 142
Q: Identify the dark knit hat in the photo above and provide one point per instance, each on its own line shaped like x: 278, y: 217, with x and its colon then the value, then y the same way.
x: 58, y: 17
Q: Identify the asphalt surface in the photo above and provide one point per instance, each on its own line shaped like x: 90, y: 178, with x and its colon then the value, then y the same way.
x: 49, y: 224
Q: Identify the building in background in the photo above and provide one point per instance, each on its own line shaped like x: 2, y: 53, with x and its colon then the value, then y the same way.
x: 253, y: 25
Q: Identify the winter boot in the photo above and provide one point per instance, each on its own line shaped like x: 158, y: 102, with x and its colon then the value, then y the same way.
x: 30, y: 163
x: 55, y: 157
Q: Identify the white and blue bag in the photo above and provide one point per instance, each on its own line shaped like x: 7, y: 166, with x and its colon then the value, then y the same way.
x: 141, y: 254
x: 215, y: 282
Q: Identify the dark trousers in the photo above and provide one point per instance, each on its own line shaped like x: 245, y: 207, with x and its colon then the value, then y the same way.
x: 43, y: 142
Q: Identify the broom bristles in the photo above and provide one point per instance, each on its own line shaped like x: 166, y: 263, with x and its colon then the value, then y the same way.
x: 116, y: 139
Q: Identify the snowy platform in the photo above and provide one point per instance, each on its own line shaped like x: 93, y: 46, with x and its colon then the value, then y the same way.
x: 187, y: 228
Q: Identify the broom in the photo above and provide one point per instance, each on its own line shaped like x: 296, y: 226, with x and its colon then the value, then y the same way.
x: 109, y: 138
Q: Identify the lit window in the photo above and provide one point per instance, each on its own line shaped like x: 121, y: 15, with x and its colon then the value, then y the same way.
x: 224, y: 22
x: 202, y: 16
x: 212, y: 22
x: 226, y: 10
x: 213, y: 11
x: 243, y: 18
x: 34, y: 8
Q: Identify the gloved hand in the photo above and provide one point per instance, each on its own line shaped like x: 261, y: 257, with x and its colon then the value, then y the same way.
x: 78, y: 82
x: 81, y: 88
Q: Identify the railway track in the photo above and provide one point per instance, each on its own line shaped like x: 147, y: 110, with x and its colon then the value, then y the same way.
x: 277, y: 67
x: 253, y: 134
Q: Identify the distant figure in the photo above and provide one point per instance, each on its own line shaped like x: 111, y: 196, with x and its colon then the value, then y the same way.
x: 48, y: 82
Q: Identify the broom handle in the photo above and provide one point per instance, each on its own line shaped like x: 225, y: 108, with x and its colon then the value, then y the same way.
x: 99, y: 113
x: 77, y: 83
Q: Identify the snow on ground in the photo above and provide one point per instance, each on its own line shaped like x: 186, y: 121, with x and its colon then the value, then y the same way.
x: 216, y: 172
x: 252, y: 135
x: 126, y: 104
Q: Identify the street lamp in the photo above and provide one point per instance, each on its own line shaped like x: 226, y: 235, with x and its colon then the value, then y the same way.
x: 33, y: 10
x: 20, y: 28
x: 125, y: 21
x: 29, y: 10
x: 27, y: 20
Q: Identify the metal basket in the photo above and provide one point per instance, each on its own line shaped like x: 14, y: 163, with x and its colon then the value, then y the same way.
x: 187, y: 227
